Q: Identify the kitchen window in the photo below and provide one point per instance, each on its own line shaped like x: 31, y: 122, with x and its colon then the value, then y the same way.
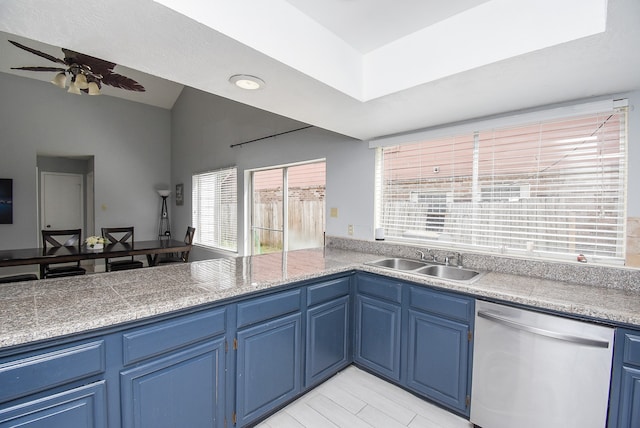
x: 288, y: 207
x: 551, y: 188
x: 215, y: 209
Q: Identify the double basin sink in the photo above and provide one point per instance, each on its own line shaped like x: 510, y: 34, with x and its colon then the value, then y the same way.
x: 451, y: 273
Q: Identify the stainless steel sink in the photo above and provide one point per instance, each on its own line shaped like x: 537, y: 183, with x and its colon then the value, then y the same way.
x: 398, y: 264
x: 451, y: 273
x: 448, y: 272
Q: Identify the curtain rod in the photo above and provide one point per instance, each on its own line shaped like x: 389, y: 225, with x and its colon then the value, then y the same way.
x: 270, y: 136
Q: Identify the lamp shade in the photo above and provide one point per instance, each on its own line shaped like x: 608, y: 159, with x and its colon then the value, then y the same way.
x: 81, y: 81
x: 164, y: 193
x: 60, y: 80
x: 94, y: 89
x: 73, y: 89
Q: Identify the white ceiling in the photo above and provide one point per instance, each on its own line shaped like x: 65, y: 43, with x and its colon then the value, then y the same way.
x: 370, y: 24
x: 362, y: 68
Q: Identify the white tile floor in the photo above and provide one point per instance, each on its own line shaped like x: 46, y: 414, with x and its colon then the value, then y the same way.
x: 355, y: 399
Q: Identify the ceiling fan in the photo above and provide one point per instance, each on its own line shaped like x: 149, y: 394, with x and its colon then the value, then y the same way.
x: 87, y: 74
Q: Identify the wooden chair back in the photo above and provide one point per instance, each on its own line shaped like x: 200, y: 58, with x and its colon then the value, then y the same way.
x: 183, y: 256
x: 61, y: 238
x: 118, y: 234
x: 52, y: 237
x: 188, y: 238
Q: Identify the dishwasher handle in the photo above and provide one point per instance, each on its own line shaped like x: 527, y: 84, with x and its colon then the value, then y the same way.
x: 500, y: 319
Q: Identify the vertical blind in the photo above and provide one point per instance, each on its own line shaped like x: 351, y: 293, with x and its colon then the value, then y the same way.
x: 552, y: 188
x: 215, y: 211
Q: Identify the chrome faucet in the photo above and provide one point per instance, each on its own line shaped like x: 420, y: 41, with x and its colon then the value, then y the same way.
x: 434, y: 257
x: 458, y: 256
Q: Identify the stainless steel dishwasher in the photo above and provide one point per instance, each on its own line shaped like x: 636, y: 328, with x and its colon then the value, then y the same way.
x: 532, y: 370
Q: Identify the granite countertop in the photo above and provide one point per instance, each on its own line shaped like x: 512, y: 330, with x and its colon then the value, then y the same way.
x: 45, y: 309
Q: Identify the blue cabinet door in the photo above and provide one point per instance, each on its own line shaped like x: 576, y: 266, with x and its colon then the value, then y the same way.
x: 181, y: 389
x: 630, y: 398
x: 438, y: 359
x: 268, y: 367
x: 327, y: 345
x: 378, y: 336
x: 82, y: 407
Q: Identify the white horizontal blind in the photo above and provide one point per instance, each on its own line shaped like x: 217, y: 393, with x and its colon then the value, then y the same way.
x: 215, y: 212
x: 553, y: 188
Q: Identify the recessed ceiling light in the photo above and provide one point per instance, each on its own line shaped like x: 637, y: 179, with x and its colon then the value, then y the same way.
x: 246, y: 81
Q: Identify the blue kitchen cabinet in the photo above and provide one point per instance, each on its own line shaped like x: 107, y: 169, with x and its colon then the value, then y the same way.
x: 80, y: 407
x: 624, y: 405
x: 59, y: 386
x: 174, y: 372
x: 438, y: 347
x: 328, y: 338
x: 378, y: 325
x: 433, y: 356
x: 184, y: 388
x: 269, y: 354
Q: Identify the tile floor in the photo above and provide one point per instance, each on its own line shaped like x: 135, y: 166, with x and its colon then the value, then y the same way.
x: 355, y: 399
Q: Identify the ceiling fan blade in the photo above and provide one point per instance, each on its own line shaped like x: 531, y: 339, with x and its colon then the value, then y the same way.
x: 35, y: 52
x: 119, y: 81
x: 97, y: 65
x: 58, y: 69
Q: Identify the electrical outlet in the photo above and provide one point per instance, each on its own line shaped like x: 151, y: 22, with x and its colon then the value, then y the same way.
x: 350, y: 229
x: 334, y: 213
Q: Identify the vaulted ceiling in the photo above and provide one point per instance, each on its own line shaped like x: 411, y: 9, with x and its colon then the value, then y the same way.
x: 362, y: 68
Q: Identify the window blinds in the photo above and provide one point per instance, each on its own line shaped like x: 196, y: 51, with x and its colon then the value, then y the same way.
x: 215, y: 204
x: 552, y: 188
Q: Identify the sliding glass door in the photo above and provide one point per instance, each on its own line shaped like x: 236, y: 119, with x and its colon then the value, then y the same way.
x: 288, y: 208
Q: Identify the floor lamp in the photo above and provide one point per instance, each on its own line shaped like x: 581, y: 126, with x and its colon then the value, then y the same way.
x: 164, y: 230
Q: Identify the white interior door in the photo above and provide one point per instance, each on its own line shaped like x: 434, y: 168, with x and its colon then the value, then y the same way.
x: 62, y: 201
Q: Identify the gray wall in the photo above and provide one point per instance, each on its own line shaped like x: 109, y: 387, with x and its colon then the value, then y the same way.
x: 633, y: 166
x: 138, y: 148
x: 130, y: 143
x: 203, y: 128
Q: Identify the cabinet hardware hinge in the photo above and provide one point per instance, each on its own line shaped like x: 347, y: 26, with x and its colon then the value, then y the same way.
x: 467, y: 401
x: 235, y: 345
x: 233, y: 418
x: 469, y: 335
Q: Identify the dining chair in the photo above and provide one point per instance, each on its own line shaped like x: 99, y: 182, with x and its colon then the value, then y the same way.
x: 124, y: 236
x: 71, y: 238
x: 182, y: 257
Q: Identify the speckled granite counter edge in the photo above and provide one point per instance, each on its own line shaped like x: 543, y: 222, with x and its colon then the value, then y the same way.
x: 623, y: 278
x: 618, y: 307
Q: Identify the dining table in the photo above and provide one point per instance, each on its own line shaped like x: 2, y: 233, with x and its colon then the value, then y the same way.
x: 43, y: 256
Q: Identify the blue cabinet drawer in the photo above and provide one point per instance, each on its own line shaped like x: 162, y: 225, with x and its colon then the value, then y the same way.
x: 329, y: 290
x: 36, y: 373
x: 631, y: 349
x: 383, y: 288
x: 265, y: 308
x: 85, y: 406
x: 443, y: 304
x: 168, y: 335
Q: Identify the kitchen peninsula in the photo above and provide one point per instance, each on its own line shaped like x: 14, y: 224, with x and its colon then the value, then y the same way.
x: 137, y: 324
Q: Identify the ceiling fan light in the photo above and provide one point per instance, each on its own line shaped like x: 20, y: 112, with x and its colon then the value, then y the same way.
x: 73, y: 89
x: 93, y: 88
x: 81, y: 81
x: 60, y: 80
